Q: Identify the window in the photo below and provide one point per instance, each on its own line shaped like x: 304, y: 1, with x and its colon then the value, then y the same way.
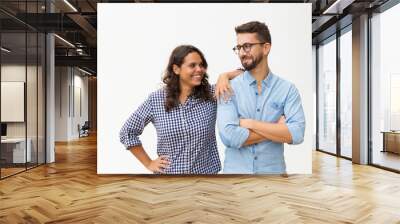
x: 327, y: 96
x: 346, y: 93
x: 385, y: 89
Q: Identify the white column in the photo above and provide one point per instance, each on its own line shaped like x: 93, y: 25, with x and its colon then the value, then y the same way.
x: 360, y: 90
x: 50, y: 110
x: 50, y: 93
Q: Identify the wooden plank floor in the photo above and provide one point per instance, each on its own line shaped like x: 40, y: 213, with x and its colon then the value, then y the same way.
x: 70, y: 191
x: 10, y: 171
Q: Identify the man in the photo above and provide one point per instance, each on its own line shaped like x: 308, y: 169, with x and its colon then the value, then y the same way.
x: 264, y: 112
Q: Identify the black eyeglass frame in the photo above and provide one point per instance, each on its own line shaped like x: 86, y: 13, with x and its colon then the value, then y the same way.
x: 246, y: 47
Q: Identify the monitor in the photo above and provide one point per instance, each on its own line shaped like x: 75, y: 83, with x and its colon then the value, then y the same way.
x: 3, y: 129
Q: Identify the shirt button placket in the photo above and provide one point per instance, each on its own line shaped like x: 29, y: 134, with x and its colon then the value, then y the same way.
x: 184, y: 121
x: 186, y: 127
x: 258, y: 117
x: 258, y: 110
x: 184, y: 140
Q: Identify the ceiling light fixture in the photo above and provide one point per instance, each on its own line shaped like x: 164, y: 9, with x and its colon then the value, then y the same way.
x: 5, y: 50
x: 337, y: 7
x: 70, y: 5
x: 64, y: 40
x: 84, y: 71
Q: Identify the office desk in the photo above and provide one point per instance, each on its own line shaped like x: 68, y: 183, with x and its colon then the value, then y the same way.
x: 13, y: 150
x: 391, y: 141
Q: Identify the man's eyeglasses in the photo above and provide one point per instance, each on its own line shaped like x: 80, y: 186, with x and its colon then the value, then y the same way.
x: 246, y: 47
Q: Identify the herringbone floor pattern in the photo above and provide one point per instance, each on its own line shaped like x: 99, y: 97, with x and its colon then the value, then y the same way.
x: 70, y: 191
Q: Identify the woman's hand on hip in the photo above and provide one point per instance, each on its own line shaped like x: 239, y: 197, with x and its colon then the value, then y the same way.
x: 159, y: 165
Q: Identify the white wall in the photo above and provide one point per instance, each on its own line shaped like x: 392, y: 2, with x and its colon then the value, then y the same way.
x: 67, y: 115
x: 82, y: 83
x: 61, y: 103
x: 131, y: 62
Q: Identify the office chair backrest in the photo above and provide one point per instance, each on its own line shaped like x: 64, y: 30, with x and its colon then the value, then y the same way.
x: 85, y: 125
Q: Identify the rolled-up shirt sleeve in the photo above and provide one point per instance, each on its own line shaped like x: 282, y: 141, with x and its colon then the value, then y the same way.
x: 294, y: 115
x: 231, y: 134
x: 133, y: 127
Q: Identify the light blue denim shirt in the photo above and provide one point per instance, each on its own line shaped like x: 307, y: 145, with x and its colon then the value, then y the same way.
x: 278, y: 97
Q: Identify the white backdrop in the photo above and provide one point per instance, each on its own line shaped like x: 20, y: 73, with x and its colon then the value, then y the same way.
x: 135, y: 41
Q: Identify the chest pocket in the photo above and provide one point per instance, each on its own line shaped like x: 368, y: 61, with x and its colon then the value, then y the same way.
x: 274, y: 111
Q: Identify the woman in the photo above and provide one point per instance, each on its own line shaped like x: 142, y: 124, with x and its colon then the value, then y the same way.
x: 183, y: 114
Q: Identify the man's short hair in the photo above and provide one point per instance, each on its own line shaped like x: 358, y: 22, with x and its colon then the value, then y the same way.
x: 255, y: 27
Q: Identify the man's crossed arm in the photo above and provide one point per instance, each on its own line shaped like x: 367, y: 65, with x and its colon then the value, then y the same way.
x: 236, y: 132
x: 260, y: 131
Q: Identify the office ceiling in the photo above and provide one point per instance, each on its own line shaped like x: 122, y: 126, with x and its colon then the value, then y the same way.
x: 76, y: 22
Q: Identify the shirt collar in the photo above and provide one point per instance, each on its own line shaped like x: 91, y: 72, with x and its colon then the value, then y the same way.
x: 251, y: 80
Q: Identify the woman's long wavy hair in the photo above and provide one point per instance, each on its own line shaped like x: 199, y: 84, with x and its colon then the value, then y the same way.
x: 171, y: 80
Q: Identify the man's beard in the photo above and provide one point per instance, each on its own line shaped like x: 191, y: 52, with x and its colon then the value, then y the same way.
x: 254, y: 62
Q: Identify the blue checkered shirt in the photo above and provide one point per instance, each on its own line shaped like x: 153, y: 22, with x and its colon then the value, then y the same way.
x: 186, y: 133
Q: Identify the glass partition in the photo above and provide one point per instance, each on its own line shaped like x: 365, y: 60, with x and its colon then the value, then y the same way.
x: 22, y: 77
x: 13, y: 104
